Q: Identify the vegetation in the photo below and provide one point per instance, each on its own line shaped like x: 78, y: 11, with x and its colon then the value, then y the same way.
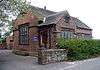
x: 9, y: 10
x: 79, y: 49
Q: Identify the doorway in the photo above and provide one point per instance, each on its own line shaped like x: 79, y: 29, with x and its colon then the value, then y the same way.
x: 44, y: 39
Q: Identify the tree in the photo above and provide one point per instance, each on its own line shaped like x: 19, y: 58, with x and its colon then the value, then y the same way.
x: 9, y: 9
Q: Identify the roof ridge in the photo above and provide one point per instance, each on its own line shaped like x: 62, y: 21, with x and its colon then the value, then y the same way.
x: 65, y: 11
x: 42, y: 8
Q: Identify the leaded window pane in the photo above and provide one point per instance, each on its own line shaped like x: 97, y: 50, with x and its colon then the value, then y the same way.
x: 66, y: 34
x: 23, y: 34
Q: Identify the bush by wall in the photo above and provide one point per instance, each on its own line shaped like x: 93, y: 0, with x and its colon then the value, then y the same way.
x: 79, y: 49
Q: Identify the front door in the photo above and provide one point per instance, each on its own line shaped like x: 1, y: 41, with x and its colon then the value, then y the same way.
x: 44, y: 39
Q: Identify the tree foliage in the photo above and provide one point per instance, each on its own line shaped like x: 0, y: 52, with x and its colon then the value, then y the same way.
x: 9, y: 9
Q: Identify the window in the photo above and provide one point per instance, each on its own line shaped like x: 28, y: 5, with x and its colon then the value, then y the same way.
x: 66, y: 18
x: 23, y: 34
x: 87, y: 36
x: 67, y: 34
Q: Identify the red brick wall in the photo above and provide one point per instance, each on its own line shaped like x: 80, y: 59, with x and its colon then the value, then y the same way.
x: 71, y: 26
x: 32, y: 20
x: 9, y: 41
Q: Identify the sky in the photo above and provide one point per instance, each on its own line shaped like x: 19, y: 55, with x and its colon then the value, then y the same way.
x: 88, y: 11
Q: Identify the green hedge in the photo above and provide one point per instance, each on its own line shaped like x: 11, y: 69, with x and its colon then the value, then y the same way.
x: 79, y: 49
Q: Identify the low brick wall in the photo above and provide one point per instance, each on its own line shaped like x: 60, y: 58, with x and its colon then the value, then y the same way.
x: 51, y: 56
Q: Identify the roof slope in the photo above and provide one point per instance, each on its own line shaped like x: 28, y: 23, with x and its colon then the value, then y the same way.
x: 40, y: 12
x: 43, y: 12
x: 54, y: 18
x: 79, y: 23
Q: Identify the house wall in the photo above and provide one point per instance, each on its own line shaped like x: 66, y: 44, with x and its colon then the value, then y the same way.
x: 9, y: 42
x: 33, y: 32
x: 71, y: 26
x: 53, y: 31
x: 62, y: 25
x: 85, y: 31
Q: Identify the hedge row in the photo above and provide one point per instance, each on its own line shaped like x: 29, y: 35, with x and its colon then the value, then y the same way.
x: 79, y: 49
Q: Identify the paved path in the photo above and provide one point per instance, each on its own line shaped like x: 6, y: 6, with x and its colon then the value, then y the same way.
x: 9, y: 61
x: 90, y: 64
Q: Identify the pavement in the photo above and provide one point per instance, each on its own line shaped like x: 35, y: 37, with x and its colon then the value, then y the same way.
x: 10, y: 61
x: 90, y: 64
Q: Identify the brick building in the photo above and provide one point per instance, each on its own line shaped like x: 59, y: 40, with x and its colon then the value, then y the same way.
x: 41, y: 28
x: 9, y: 42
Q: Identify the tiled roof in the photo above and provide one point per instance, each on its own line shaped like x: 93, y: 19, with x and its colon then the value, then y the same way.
x: 54, y: 18
x: 40, y: 12
x: 43, y: 12
x: 79, y: 23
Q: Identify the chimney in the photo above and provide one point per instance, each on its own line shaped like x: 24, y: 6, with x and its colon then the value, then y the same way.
x: 44, y: 7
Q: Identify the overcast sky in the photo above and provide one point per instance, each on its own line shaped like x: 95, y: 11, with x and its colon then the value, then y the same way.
x: 87, y: 11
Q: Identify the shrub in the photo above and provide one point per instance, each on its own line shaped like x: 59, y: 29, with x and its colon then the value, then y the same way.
x: 79, y: 49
